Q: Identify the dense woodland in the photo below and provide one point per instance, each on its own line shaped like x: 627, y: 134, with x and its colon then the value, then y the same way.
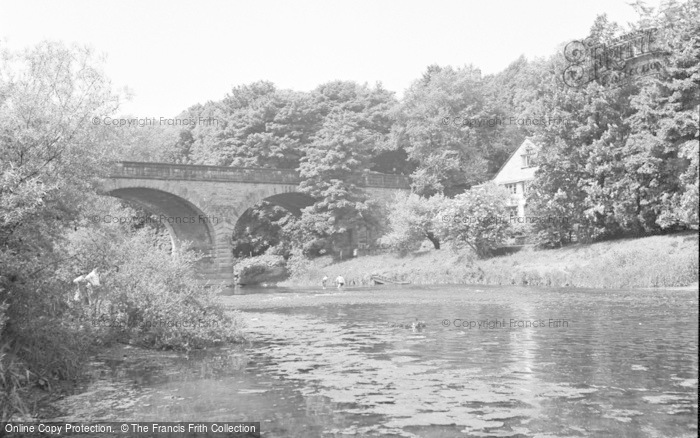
x: 618, y: 160
x: 623, y: 160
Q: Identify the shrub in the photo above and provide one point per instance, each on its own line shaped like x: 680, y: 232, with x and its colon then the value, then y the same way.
x: 412, y: 220
x: 266, y: 267
x: 476, y: 219
x: 148, y: 296
x: 10, y: 376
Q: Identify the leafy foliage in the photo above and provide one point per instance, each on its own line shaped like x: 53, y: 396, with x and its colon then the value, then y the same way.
x: 451, y: 156
x: 330, y: 171
x: 622, y: 161
x: 52, y: 153
x: 147, y: 296
x: 261, y: 229
x: 264, y: 268
x: 412, y: 219
x: 476, y: 219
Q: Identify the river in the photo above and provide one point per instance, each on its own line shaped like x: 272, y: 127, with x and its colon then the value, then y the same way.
x: 489, y: 362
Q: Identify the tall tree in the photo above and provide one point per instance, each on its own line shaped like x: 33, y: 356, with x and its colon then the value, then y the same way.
x: 434, y: 124
x: 51, y: 97
x: 330, y: 169
x: 616, y: 163
x: 256, y: 125
x: 666, y: 124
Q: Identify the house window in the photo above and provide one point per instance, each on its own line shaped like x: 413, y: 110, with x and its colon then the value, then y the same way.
x: 512, y: 211
x: 529, y: 158
x: 512, y: 188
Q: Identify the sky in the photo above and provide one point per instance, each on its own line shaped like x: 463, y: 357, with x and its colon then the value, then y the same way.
x: 174, y: 54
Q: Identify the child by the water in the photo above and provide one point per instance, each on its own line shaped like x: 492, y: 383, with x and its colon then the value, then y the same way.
x: 324, y: 281
x: 340, y: 280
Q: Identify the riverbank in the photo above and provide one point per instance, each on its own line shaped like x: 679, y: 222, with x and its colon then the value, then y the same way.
x: 655, y: 261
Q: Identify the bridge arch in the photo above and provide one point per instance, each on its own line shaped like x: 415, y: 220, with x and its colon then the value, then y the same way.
x: 184, y: 220
x: 292, y: 202
x: 189, y: 216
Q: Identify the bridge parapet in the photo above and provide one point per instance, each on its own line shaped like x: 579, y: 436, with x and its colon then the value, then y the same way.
x: 167, y: 171
x: 141, y: 170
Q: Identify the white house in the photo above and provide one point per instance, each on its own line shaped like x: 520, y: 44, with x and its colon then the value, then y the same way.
x: 516, y: 174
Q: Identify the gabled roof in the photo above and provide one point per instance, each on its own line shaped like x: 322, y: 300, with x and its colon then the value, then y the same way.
x: 526, y: 143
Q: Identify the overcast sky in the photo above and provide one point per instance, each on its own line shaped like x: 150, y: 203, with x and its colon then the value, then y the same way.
x: 173, y: 54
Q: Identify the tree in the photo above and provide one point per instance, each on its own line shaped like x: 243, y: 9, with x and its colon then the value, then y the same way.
x: 139, y: 139
x: 256, y: 125
x: 665, y: 128
x: 512, y: 91
x: 476, y: 219
x: 261, y: 228
x: 614, y: 165
x: 330, y: 170
x: 412, y: 220
x: 50, y: 157
x: 434, y: 126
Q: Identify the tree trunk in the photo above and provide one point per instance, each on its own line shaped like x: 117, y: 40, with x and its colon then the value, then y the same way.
x: 432, y: 238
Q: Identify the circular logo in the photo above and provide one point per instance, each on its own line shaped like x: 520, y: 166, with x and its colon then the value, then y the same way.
x: 574, y: 76
x: 575, y: 52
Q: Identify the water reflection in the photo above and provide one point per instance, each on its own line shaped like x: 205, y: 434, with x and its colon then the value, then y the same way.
x: 342, y: 363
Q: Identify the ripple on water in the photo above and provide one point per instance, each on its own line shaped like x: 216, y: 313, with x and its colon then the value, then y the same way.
x: 334, y: 365
x: 408, y: 391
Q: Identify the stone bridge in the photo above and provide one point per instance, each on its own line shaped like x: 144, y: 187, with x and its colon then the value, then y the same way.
x: 201, y: 204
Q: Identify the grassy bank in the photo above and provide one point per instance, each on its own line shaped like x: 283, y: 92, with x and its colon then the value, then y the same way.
x: 656, y: 261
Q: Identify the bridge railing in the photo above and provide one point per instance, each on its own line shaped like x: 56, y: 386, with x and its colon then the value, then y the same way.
x: 134, y: 169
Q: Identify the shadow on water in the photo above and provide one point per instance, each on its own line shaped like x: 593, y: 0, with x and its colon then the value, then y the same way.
x: 353, y: 363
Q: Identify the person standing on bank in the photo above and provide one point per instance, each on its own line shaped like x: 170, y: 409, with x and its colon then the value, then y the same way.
x: 340, y: 280
x: 324, y: 281
x: 91, y: 295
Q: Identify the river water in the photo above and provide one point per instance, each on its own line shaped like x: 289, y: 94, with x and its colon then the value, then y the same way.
x: 325, y: 363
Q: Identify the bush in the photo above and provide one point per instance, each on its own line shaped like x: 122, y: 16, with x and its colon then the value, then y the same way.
x: 476, y: 219
x: 40, y: 342
x: 148, y: 296
x: 412, y: 220
x: 10, y: 376
x: 304, y: 271
x: 266, y: 267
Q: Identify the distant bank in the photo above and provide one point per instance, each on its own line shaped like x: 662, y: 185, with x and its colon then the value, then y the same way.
x: 668, y: 261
